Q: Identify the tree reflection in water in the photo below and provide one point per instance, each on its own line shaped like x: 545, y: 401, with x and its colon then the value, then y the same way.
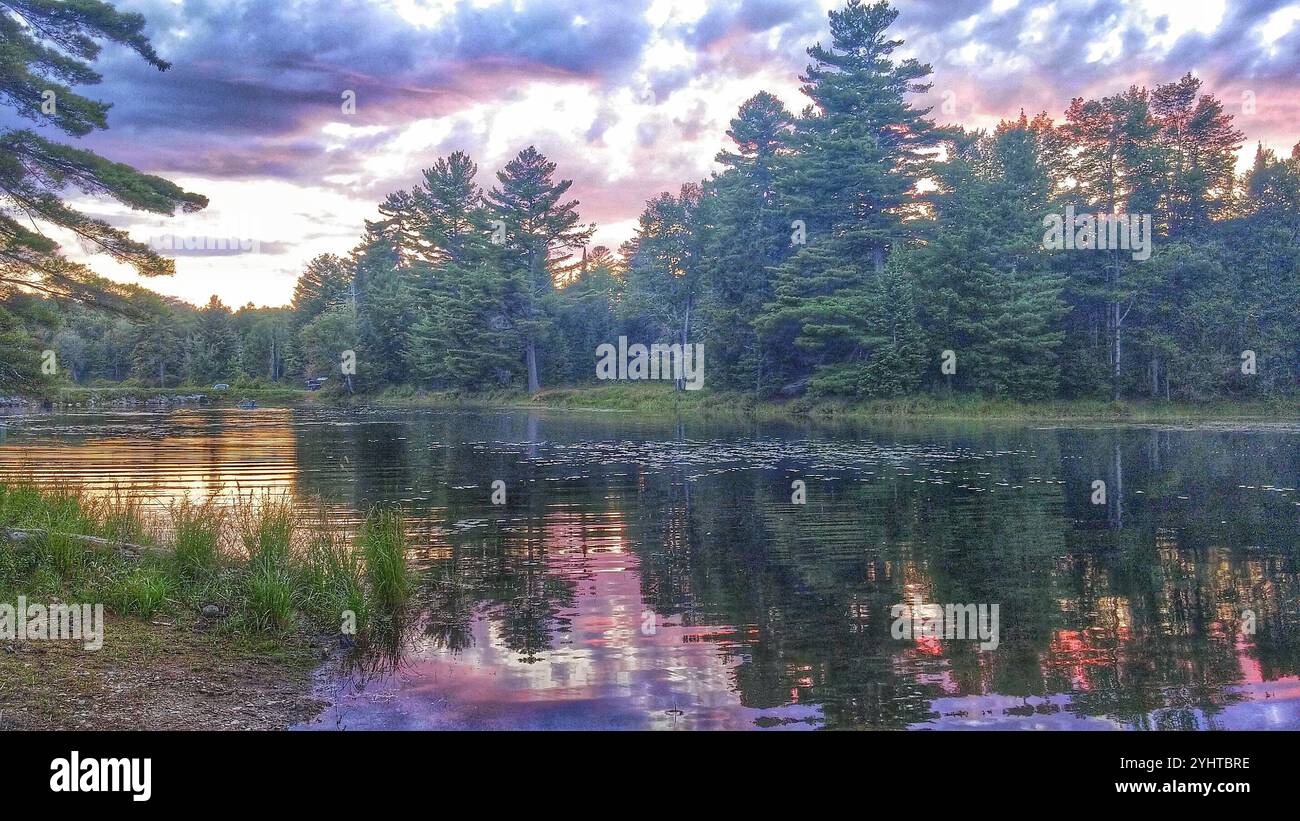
x: 657, y: 574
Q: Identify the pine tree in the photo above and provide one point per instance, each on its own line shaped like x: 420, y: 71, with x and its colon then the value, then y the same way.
x: 664, y: 276
x: 542, y: 233
x: 880, y: 327
x: 1117, y: 166
x: 991, y: 297
x: 856, y: 156
x: 459, y: 337
x: 748, y: 237
x: 45, y: 48
x: 216, y: 345
x: 382, y: 302
x: 324, y: 283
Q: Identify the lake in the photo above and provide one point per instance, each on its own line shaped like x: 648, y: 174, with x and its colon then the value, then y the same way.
x: 652, y: 573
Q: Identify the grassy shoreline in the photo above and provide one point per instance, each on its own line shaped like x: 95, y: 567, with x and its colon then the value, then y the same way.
x: 661, y: 400
x: 658, y: 399
x: 257, y: 593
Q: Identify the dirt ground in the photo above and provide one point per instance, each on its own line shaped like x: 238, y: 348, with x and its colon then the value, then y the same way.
x: 158, y: 676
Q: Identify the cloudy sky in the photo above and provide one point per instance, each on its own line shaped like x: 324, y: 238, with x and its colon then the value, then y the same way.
x: 630, y: 98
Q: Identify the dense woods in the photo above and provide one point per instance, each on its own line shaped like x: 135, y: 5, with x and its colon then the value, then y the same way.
x: 840, y: 251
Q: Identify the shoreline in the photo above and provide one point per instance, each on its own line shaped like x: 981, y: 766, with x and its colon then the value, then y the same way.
x: 661, y: 401
x: 224, y: 625
x: 178, y: 674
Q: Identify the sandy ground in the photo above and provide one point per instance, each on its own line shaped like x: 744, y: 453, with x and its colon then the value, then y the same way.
x: 157, y: 676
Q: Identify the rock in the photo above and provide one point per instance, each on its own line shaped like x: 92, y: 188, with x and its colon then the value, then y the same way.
x: 211, y: 611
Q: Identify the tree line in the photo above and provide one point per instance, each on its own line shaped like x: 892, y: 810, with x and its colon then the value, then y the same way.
x: 850, y: 250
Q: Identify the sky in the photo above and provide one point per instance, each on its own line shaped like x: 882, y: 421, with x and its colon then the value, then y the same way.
x: 629, y: 98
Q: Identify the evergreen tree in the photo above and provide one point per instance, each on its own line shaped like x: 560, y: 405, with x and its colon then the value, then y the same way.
x: 45, y: 49
x: 216, y: 346
x: 383, y: 302
x: 460, y: 336
x: 324, y: 283
x: 542, y: 232
x: 857, y: 154
x: 664, y: 276
x: 749, y: 236
x: 991, y: 297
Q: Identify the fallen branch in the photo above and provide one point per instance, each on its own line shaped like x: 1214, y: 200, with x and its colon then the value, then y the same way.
x: 26, y: 537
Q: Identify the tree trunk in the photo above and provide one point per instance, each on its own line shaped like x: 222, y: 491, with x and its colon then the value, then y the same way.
x: 273, y: 356
x: 680, y: 382
x: 1117, y: 345
x: 530, y: 356
x: 25, y: 537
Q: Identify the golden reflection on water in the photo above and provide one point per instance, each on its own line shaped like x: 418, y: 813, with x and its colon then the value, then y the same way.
x: 199, y: 454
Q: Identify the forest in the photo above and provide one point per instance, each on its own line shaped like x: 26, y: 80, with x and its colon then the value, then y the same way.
x: 848, y: 250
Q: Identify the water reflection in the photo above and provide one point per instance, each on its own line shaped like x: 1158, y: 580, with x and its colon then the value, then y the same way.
x: 648, y: 574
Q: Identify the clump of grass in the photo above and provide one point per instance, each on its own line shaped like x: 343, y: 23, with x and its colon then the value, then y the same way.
x: 65, y: 518
x: 121, y: 518
x: 270, y: 596
x: 382, y: 540
x: 196, y: 537
x: 286, y: 568
x: 141, y: 592
x: 64, y: 554
x: 267, y: 527
x: 22, y: 505
x: 330, y: 581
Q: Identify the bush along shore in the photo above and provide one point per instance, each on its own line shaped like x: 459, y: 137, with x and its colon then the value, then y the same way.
x: 213, y: 616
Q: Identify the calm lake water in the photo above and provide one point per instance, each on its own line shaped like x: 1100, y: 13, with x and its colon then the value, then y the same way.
x: 656, y: 574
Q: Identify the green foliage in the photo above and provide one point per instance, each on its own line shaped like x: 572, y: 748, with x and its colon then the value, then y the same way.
x: 141, y: 592
x: 290, y: 566
x: 382, y: 540
x: 47, y: 49
x: 838, y: 252
x: 196, y: 533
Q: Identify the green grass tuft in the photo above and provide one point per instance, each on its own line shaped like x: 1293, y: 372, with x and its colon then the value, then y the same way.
x: 141, y: 592
x: 196, y: 537
x: 382, y: 540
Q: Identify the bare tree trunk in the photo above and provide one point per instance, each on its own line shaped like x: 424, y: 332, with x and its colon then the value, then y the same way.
x: 680, y: 382
x: 272, y: 355
x: 531, y: 356
x: 1117, y: 345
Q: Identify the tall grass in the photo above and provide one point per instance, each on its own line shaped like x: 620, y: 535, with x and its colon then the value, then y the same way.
x: 121, y: 518
x: 196, y: 537
x: 288, y: 568
x: 331, y: 580
x: 270, y: 596
x: 141, y: 592
x: 382, y: 540
x: 267, y: 526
